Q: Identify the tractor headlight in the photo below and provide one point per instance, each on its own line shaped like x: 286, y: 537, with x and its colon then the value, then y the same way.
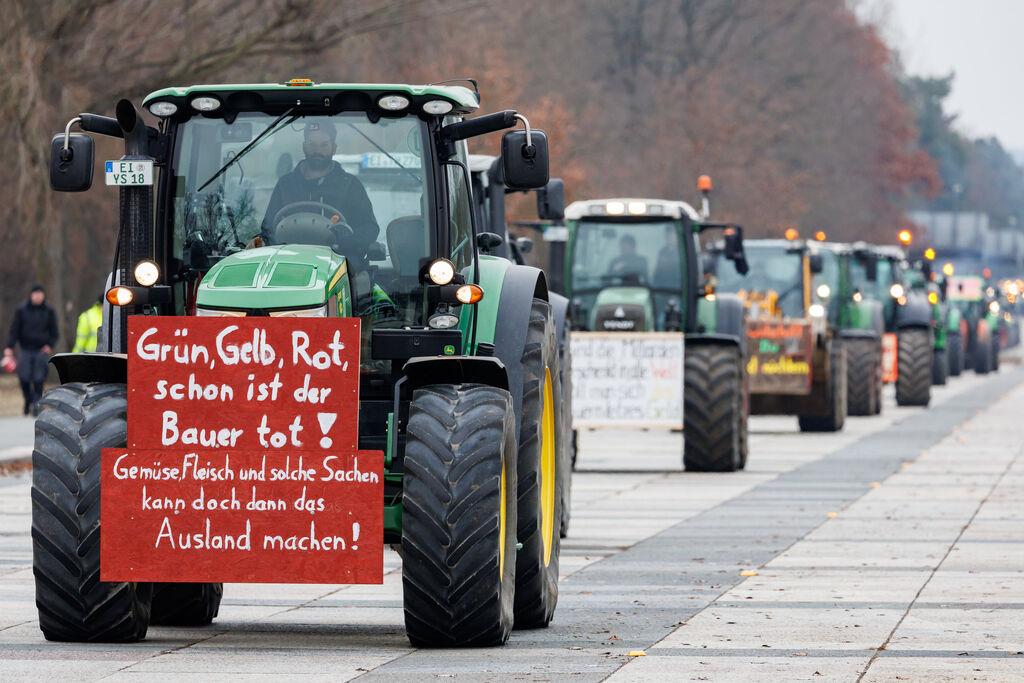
x: 205, y: 103
x: 858, y: 297
x: 896, y: 291
x: 218, y: 313
x: 993, y: 306
x: 469, y: 294
x: 318, y: 312
x: 823, y: 291
x: 437, y: 107
x: 393, y: 102
x: 147, y: 273
x: 816, y: 311
x: 441, y: 271
x: 163, y: 109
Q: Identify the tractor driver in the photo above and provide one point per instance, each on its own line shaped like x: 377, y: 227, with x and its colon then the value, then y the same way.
x: 318, y: 178
x: 628, y: 264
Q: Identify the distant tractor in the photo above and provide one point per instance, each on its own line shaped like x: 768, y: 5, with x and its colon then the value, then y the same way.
x: 981, y: 312
x: 910, y: 318
x: 460, y: 370
x: 796, y: 361
x: 633, y: 275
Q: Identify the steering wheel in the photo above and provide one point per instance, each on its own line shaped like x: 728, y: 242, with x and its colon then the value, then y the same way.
x: 310, y: 222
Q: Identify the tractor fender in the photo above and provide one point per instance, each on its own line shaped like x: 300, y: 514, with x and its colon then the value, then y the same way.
x: 720, y: 318
x: 854, y: 333
x: 917, y: 312
x: 91, y: 367
x: 520, y: 286
x: 424, y: 370
x: 560, y: 312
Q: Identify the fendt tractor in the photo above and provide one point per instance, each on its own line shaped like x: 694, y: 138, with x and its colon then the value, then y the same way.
x: 460, y: 371
x: 911, y: 319
x: 796, y: 362
x: 493, y: 236
x: 633, y: 272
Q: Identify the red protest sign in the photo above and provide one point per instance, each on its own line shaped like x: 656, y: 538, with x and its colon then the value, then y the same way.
x: 259, y: 383
x: 242, y: 516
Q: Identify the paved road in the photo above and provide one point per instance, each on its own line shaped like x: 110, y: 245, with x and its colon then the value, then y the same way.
x: 892, y: 550
x: 15, y: 438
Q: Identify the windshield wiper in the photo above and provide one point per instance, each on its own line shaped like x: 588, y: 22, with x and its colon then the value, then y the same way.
x: 245, y: 150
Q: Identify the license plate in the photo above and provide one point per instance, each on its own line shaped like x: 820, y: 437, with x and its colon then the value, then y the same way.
x: 129, y: 172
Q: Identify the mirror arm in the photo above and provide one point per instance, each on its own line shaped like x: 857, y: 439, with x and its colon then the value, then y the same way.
x: 481, y: 125
x: 65, y: 152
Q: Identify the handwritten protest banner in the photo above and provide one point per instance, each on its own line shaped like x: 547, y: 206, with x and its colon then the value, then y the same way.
x: 779, y: 356
x: 242, y: 460
x: 627, y: 379
x: 241, y: 516
x: 249, y: 383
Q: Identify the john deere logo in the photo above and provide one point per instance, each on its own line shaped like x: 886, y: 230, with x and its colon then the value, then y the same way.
x: 449, y: 349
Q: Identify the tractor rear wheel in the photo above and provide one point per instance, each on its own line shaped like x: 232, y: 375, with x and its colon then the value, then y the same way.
x: 863, y: 375
x: 186, y: 604
x: 76, y: 423
x: 836, y: 392
x: 940, y: 367
x: 914, y: 379
x: 459, y: 516
x: 712, y: 408
x: 955, y: 354
x: 540, y: 459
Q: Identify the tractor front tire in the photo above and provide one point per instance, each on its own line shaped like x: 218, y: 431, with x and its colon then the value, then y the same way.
x: 459, y: 516
x: 76, y: 422
x: 541, y: 456
x: 836, y: 417
x: 186, y: 604
x: 955, y: 354
x: 914, y: 380
x: 863, y: 376
x: 940, y: 367
x: 713, y: 419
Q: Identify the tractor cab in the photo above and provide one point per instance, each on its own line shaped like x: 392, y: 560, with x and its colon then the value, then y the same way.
x: 782, y: 279
x: 633, y: 264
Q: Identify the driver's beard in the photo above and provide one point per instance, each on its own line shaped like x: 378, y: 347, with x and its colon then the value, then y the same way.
x: 317, y: 163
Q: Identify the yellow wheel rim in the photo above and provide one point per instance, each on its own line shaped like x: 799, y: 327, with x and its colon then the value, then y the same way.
x: 547, y: 469
x: 501, y: 525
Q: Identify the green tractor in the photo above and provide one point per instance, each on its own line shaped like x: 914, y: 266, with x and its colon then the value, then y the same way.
x: 460, y: 377
x: 846, y: 271
x: 981, y: 311
x: 796, y: 359
x: 922, y: 279
x: 633, y: 272
x: 910, y: 317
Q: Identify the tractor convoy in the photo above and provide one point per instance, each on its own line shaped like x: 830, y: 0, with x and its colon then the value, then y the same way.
x: 358, y: 207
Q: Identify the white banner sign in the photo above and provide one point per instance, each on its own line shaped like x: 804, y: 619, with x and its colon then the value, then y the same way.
x: 627, y: 379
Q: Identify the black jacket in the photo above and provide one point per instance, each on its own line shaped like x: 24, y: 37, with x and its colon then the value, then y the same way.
x: 338, y: 189
x: 33, y: 327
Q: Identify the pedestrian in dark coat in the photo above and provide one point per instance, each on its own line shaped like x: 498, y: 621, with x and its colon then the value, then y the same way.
x: 34, y: 332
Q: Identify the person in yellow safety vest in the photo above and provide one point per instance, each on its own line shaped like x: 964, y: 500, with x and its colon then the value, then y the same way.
x: 88, y: 325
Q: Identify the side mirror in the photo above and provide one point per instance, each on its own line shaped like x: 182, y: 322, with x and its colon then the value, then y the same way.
x: 815, y: 262
x: 489, y: 241
x: 871, y: 268
x: 524, y: 159
x: 71, y: 162
x: 551, y: 201
x: 524, y: 244
x: 734, y: 249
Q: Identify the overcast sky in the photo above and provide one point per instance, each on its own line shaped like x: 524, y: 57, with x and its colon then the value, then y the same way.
x: 982, y: 41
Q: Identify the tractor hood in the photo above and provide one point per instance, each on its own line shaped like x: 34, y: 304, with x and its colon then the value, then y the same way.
x: 268, y: 278
x: 623, y: 309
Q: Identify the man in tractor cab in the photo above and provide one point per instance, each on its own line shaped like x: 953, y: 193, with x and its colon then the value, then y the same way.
x: 628, y: 264
x: 318, y: 178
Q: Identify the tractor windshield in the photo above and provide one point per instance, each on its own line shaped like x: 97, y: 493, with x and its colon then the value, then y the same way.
x: 774, y: 269
x: 338, y: 181
x: 627, y: 254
